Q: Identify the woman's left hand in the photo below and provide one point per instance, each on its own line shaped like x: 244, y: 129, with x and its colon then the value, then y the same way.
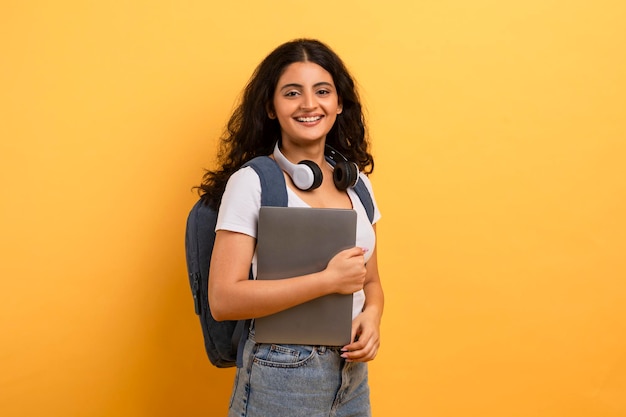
x: 365, y: 337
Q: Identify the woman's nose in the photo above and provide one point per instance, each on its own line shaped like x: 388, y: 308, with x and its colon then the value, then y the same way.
x: 308, y: 102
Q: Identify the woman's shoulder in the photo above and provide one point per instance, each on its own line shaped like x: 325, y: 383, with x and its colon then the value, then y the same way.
x: 240, y: 203
x: 244, y: 177
x: 243, y: 185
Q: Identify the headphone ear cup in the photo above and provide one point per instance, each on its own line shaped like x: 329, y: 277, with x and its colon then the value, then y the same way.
x: 345, y: 175
x: 308, y: 178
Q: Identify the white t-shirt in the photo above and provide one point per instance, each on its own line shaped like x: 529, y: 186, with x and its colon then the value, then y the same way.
x: 239, y: 212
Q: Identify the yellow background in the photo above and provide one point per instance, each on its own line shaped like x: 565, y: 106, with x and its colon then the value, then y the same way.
x: 499, y: 136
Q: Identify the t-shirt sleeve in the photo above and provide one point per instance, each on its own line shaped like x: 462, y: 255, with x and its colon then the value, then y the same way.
x: 368, y: 184
x: 239, y: 209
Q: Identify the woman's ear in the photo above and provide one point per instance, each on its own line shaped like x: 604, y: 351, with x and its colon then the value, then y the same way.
x: 340, y: 107
x: 270, y: 112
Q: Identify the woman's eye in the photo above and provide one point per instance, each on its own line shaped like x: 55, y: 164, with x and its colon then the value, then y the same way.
x: 291, y: 93
x: 323, y: 92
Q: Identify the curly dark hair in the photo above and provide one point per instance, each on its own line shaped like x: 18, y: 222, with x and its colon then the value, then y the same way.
x: 250, y: 132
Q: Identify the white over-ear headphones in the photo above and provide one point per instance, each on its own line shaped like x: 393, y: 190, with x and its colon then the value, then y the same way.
x: 307, y: 175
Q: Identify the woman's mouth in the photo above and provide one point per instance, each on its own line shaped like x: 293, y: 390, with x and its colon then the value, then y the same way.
x: 308, y: 119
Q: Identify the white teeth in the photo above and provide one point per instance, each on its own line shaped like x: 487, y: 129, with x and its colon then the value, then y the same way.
x: 308, y: 119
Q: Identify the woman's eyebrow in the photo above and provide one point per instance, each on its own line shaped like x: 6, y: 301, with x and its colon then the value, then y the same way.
x: 296, y: 85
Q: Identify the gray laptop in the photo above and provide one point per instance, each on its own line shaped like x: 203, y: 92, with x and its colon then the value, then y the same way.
x: 294, y: 241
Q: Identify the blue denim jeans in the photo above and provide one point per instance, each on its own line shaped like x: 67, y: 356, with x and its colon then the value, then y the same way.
x: 297, y: 380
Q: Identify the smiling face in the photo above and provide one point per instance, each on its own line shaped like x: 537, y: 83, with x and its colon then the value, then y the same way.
x: 306, y: 103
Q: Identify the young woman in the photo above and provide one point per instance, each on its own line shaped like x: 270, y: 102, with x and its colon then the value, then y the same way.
x: 302, y: 98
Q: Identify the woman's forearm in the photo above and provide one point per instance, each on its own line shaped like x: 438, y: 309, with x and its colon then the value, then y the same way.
x: 255, y: 298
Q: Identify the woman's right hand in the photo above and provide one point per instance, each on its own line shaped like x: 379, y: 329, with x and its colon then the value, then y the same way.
x: 346, y: 271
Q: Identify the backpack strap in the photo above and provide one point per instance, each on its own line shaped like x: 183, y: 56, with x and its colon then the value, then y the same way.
x: 362, y: 192
x: 273, y: 185
x: 366, y: 199
x: 273, y: 193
